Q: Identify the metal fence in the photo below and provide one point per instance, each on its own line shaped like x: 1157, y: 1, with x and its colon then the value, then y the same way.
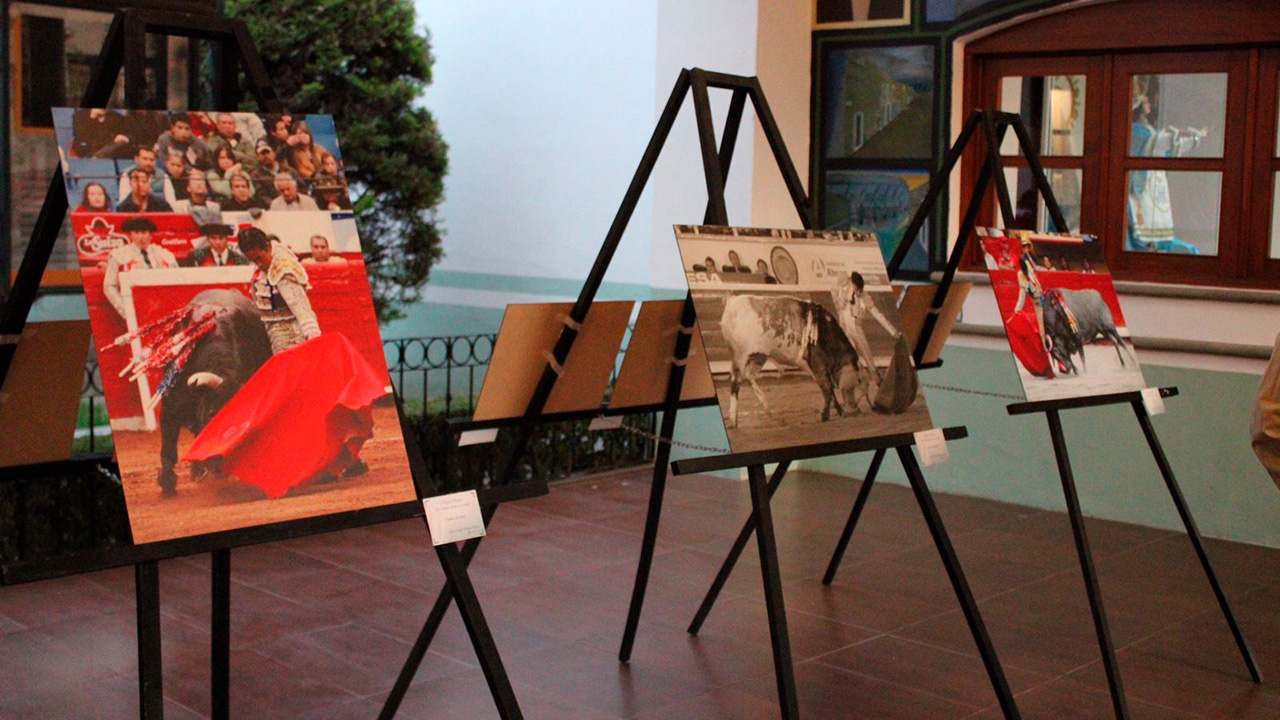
x: 438, y: 374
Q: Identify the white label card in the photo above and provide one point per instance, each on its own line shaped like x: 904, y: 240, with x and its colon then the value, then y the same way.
x: 933, y: 447
x: 1152, y: 400
x: 455, y: 517
x: 477, y: 437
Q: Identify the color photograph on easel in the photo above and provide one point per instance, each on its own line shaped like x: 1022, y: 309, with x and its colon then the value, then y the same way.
x: 1061, y: 314
x: 241, y: 359
x: 802, y: 335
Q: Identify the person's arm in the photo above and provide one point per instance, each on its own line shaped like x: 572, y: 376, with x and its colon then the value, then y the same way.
x: 879, y: 316
x: 295, y: 296
x: 1265, y: 423
x: 111, y: 286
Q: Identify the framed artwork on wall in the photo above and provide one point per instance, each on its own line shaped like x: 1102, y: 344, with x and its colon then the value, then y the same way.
x: 875, y: 116
x: 858, y: 14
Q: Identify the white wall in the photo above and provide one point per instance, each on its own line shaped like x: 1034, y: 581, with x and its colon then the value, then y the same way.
x: 783, y: 52
x: 547, y: 109
x: 718, y: 35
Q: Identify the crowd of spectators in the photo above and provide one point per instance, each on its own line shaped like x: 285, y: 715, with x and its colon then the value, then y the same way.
x: 207, y: 163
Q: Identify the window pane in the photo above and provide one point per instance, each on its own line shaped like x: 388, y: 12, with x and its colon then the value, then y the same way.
x: 1275, y: 217
x: 1052, y: 108
x: 1029, y: 208
x: 1178, y: 115
x: 1173, y: 212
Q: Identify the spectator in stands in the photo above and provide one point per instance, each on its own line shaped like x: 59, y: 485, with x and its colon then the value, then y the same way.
x: 289, y: 197
x: 305, y: 157
x: 144, y: 157
x: 94, y: 198
x: 141, y: 199
x: 279, y: 135
x: 175, y: 171
x: 99, y: 133
x: 139, y: 254
x: 202, y: 209
x: 230, y: 138
x: 332, y: 195
x: 762, y: 269
x: 179, y: 137
x: 264, y: 176
x: 320, y: 252
x: 242, y: 198
x: 218, y: 252
x: 225, y: 164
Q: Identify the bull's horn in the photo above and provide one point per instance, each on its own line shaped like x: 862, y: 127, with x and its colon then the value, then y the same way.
x: 204, y: 379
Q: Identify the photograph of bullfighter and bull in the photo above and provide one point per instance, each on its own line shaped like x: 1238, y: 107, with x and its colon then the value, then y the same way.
x: 239, y: 350
x: 802, y: 335
x: 1061, y: 314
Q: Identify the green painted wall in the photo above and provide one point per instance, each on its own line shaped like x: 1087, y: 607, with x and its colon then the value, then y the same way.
x: 1204, y: 433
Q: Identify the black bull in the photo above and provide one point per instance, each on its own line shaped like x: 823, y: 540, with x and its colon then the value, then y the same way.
x: 219, y: 365
x: 1093, y: 320
x: 793, y: 333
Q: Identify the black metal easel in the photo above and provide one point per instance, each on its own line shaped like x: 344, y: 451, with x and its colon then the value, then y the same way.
x: 716, y: 166
x: 994, y: 125
x: 128, y: 30
x: 1101, y: 627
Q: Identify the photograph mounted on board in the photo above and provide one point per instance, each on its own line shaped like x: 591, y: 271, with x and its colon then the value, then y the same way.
x: 1061, y: 314
x: 241, y: 360
x: 877, y: 102
x: 881, y: 202
x: 855, y: 14
x: 802, y: 336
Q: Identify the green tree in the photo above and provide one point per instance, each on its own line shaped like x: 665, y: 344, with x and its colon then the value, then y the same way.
x: 365, y: 63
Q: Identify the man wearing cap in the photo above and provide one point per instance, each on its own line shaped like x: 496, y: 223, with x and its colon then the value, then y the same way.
x: 264, y: 175
x: 279, y: 290
x: 218, y: 252
x: 141, y: 199
x: 139, y: 254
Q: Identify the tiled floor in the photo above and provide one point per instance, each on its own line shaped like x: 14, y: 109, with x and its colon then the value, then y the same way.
x: 321, y: 625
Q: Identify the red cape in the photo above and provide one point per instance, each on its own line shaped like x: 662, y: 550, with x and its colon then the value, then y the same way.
x: 294, y: 417
x: 1024, y: 339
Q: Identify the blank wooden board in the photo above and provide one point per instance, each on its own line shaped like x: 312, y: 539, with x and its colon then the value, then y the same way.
x: 40, y: 400
x: 914, y: 307
x: 646, y: 366
x: 525, y: 340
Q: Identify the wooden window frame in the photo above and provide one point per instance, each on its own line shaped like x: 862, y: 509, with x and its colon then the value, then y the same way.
x: 1239, y: 37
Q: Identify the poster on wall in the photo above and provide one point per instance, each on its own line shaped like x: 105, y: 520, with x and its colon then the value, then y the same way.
x: 877, y: 102
x: 802, y: 336
x: 855, y: 14
x: 1061, y: 314
x: 239, y: 349
x: 881, y: 202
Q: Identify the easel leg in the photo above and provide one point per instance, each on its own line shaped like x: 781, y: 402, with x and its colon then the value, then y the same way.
x: 1193, y: 532
x: 428, y: 632
x: 220, y: 640
x: 1100, y: 625
x: 774, y: 604
x: 986, y: 649
x: 863, y: 493
x: 647, y: 545
x: 455, y: 568
x: 146, y: 577
x: 740, y: 544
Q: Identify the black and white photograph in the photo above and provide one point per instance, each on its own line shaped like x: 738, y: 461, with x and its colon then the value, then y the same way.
x: 802, y: 335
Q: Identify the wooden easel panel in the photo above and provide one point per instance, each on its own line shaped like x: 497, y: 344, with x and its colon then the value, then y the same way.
x: 40, y: 399
x: 529, y: 332
x: 648, y: 360
x: 914, y: 307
